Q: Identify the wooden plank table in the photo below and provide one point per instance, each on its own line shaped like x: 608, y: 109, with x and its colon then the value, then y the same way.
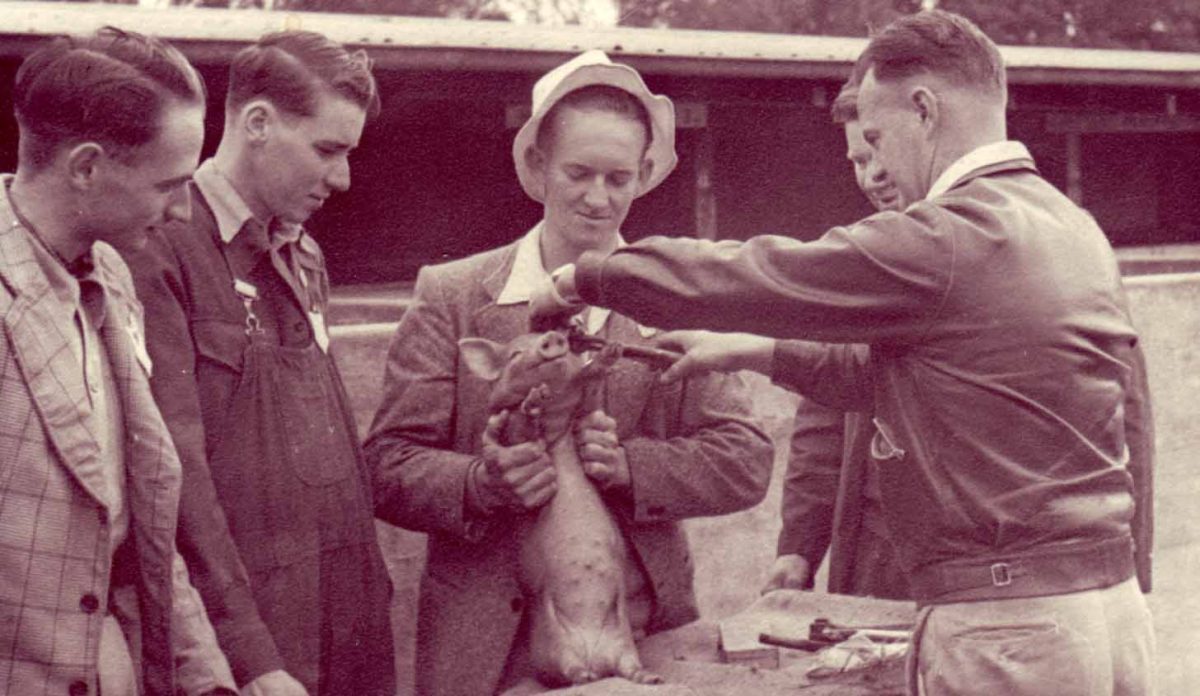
x: 690, y: 662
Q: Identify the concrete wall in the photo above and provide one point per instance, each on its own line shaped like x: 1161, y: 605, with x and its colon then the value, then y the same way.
x: 733, y: 552
x: 1166, y: 309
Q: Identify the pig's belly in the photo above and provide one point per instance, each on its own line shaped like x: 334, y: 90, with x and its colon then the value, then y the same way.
x: 574, y: 549
x: 572, y: 565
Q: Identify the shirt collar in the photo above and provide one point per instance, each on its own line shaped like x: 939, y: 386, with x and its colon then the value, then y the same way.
x: 528, y: 273
x: 982, y: 156
x: 228, y: 206
x: 230, y: 209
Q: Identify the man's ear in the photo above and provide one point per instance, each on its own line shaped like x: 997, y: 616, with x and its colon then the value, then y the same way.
x: 484, y: 358
x: 925, y: 103
x: 83, y: 164
x: 257, y: 119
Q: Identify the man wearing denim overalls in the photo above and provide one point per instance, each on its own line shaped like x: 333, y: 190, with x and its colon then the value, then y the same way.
x: 276, y: 521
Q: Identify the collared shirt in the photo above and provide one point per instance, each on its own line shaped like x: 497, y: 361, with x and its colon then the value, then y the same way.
x: 81, y: 302
x: 230, y: 209
x: 247, y: 237
x: 982, y: 156
x: 528, y: 273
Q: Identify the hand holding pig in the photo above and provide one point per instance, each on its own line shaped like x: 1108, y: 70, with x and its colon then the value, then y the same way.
x: 600, y: 452
x: 520, y: 477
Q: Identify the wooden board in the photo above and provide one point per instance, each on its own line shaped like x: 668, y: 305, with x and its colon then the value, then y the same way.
x: 689, y: 658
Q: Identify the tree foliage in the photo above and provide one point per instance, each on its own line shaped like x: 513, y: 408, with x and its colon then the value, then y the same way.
x: 1137, y: 24
x: 1141, y: 24
x: 828, y: 17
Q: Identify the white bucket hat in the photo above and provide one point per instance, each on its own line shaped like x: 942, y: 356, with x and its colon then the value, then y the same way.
x: 584, y: 70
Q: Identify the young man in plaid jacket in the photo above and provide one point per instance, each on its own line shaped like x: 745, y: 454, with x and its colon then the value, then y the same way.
x: 93, y: 596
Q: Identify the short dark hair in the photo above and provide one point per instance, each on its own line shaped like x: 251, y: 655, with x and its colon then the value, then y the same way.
x: 595, y: 98
x: 845, y: 105
x: 110, y: 87
x: 938, y: 43
x: 288, y: 67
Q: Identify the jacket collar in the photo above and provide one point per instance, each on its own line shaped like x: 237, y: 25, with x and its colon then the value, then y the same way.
x: 19, y: 268
x: 985, y: 159
x: 496, y: 277
x: 527, y: 273
x: 33, y: 323
x: 20, y: 263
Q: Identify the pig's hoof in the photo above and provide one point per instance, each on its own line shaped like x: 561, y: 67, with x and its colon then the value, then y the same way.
x: 581, y: 675
x: 640, y: 675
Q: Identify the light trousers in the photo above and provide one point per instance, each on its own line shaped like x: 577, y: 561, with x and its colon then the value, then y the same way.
x: 1090, y: 643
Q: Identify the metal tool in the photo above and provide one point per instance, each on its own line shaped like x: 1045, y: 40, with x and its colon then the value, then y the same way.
x: 581, y: 342
x: 793, y: 643
x: 824, y: 630
x: 822, y: 633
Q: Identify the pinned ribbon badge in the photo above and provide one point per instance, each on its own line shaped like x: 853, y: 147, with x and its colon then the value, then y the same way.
x: 320, y: 333
x: 139, y: 345
x: 248, y: 293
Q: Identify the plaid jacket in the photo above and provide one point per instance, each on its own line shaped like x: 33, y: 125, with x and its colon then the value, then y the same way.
x: 55, y: 565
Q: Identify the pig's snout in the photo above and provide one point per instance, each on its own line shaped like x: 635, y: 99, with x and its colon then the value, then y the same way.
x: 552, y: 345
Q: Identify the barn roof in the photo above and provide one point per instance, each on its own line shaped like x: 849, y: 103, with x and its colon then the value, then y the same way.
x: 209, y: 35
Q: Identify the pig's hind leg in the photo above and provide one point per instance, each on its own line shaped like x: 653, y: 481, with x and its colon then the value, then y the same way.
x: 580, y: 654
x: 620, y: 636
x: 561, y: 651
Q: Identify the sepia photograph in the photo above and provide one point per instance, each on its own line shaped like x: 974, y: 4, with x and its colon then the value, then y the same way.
x: 599, y: 347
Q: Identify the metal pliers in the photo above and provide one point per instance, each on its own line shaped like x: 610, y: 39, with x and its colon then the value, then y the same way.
x: 580, y: 341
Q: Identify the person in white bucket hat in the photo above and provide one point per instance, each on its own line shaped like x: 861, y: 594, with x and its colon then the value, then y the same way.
x: 596, y: 139
x: 590, y: 69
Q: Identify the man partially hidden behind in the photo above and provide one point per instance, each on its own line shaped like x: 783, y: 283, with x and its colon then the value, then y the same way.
x: 1001, y: 359
x: 93, y: 595
x: 596, y: 139
x: 276, y: 521
x: 831, y: 495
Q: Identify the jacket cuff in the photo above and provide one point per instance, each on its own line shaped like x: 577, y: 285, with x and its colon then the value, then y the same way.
x: 587, y: 277
x: 649, y: 499
x: 796, y: 541
x: 475, y: 520
x: 252, y: 655
x: 790, y: 363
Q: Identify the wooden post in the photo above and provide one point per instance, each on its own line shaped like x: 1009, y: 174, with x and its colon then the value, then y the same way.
x: 706, y: 197
x: 693, y: 116
x: 1074, y: 168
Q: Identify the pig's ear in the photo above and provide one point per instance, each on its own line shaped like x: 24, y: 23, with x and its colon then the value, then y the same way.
x: 484, y: 358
